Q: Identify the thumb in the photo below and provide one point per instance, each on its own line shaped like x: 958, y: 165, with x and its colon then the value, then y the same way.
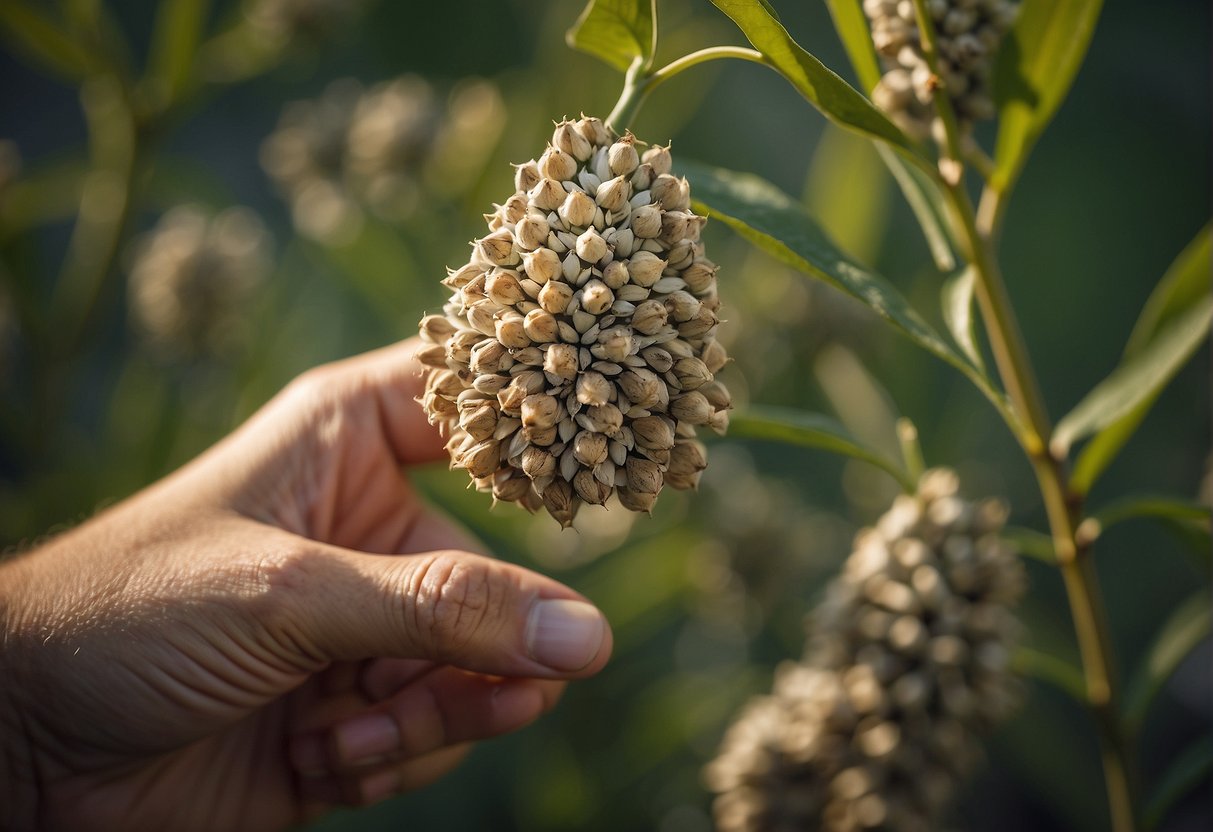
x: 447, y: 606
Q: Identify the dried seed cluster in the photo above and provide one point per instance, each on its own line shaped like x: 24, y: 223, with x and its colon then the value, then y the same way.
x: 906, y: 664
x: 384, y: 148
x: 967, y: 32
x: 193, y: 274
x: 576, y: 355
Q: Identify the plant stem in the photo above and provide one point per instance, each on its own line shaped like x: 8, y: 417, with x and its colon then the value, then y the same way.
x: 1064, y: 509
x: 638, y: 83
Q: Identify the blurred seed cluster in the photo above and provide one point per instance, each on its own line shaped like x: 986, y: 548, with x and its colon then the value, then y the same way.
x: 967, y: 32
x: 906, y: 664
x: 383, y: 149
x: 192, y: 277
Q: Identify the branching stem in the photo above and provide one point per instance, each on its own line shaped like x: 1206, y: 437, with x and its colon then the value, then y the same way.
x: 638, y: 83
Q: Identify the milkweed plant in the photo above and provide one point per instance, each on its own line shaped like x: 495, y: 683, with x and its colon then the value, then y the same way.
x: 575, y: 356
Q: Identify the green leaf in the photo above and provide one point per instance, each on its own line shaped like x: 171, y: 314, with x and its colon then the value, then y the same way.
x: 1058, y: 672
x: 1181, y: 287
x: 810, y: 430
x: 42, y: 40
x: 1035, y: 68
x: 1032, y: 543
x: 1185, y: 772
x: 1165, y: 508
x: 920, y: 192
x: 856, y: 36
x: 779, y: 225
x: 957, y: 302
x: 825, y: 90
x: 175, y: 39
x: 926, y: 203
x: 617, y: 31
x: 1136, y: 382
x: 1186, y: 628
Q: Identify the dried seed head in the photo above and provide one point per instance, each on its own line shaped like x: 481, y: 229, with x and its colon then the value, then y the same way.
x: 580, y: 338
x: 967, y: 34
x: 877, y: 722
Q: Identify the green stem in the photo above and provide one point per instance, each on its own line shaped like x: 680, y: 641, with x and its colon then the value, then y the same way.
x: 1064, y: 509
x: 638, y: 83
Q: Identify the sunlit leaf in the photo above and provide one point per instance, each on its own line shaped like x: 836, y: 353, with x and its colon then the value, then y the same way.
x: 1035, y: 68
x: 37, y: 36
x: 856, y: 36
x: 810, y: 430
x: 617, y: 31
x: 834, y: 97
x: 779, y: 225
x: 1138, y: 381
x: 1185, y: 282
x: 177, y: 32
x: 957, y: 303
x: 1058, y: 672
x: 1186, y: 628
x: 1185, y: 771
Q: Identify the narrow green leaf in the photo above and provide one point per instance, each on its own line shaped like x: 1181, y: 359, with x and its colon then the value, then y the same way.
x: 1032, y: 543
x: 920, y: 193
x: 779, y: 225
x: 825, y: 90
x: 1058, y: 672
x: 617, y: 31
x: 1185, y: 282
x: 1035, y: 68
x: 1139, y: 380
x: 1185, y: 772
x: 1165, y: 508
x: 926, y: 203
x: 957, y: 303
x: 43, y: 41
x: 176, y: 34
x: 856, y: 36
x: 1186, y: 628
x: 810, y: 430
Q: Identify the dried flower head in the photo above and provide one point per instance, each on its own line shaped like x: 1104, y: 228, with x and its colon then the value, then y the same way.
x: 381, y: 148
x: 193, y: 274
x: 576, y: 355
x: 968, y: 33
x: 907, y: 663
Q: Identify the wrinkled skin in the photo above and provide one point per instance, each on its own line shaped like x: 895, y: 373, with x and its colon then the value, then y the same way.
x: 280, y: 627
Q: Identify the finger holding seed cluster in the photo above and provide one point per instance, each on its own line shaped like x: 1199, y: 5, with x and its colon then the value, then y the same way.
x: 576, y: 356
x: 906, y: 665
x: 967, y: 34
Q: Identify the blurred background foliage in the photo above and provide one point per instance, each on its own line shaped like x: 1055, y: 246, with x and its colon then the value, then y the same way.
x: 179, y: 237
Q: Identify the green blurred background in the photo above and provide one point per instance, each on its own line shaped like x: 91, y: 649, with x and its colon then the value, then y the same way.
x: 707, y: 596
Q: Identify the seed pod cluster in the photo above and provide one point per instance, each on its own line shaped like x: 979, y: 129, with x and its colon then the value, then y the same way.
x: 906, y: 664
x: 192, y: 276
x: 385, y: 148
x: 967, y: 32
x: 576, y: 355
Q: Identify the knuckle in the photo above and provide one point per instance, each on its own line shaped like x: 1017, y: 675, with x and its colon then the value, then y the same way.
x: 451, y: 601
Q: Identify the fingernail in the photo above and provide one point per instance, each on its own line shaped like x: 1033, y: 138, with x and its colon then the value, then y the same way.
x: 564, y: 635
x: 365, y: 737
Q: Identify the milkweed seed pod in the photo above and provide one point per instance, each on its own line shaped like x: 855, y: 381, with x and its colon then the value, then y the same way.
x: 577, y: 353
x: 355, y: 148
x: 967, y: 32
x: 192, y: 276
x: 906, y: 665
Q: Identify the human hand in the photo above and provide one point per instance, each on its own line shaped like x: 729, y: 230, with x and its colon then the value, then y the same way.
x: 279, y: 627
